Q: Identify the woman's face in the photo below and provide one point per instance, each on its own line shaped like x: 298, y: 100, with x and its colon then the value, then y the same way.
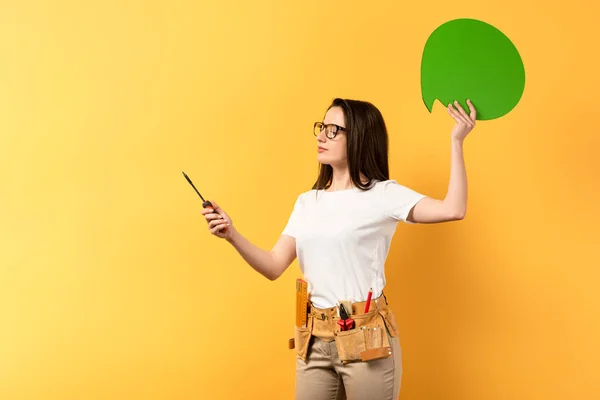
x: 333, y: 151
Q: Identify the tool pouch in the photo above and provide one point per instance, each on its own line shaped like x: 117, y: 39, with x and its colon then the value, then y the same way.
x: 301, y: 340
x: 390, y: 321
x: 369, y: 339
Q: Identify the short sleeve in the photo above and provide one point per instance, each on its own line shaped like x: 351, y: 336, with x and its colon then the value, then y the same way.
x: 398, y: 200
x: 293, y: 224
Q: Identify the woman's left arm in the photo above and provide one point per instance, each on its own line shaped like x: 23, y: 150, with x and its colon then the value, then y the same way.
x: 454, y: 205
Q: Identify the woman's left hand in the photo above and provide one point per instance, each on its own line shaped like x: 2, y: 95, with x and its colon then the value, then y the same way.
x: 464, y: 123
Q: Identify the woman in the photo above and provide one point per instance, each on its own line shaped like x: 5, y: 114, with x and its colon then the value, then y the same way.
x: 341, y: 232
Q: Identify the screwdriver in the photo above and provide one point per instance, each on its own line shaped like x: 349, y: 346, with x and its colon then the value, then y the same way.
x: 205, y: 203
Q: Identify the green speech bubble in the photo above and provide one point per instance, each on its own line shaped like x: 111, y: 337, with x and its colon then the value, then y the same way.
x: 470, y: 59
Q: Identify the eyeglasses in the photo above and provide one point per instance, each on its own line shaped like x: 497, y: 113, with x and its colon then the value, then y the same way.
x: 331, y: 130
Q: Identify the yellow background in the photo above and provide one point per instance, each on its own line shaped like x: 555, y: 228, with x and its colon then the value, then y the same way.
x: 112, y: 288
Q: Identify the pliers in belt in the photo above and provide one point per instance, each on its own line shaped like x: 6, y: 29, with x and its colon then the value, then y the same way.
x: 346, y: 323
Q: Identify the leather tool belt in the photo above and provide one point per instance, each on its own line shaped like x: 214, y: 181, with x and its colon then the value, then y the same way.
x: 368, y: 340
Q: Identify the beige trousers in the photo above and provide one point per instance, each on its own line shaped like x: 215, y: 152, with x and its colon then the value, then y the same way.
x: 321, y: 375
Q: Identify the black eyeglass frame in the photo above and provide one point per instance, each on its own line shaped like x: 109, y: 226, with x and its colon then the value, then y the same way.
x: 333, y: 131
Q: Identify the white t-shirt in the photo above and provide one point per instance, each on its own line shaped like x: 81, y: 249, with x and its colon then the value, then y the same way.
x: 343, y: 238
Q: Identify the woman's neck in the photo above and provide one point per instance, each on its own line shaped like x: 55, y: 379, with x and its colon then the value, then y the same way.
x: 341, y: 180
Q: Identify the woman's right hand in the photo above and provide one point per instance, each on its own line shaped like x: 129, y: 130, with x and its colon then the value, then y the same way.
x: 219, y: 223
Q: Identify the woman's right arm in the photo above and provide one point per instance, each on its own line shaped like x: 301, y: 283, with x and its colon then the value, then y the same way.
x: 270, y: 264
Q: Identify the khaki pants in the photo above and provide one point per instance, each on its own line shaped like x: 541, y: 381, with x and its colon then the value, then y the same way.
x: 321, y: 374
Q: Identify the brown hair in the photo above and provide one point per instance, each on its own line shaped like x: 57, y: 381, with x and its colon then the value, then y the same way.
x: 367, y: 142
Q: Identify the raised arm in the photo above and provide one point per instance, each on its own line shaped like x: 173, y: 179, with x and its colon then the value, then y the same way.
x: 454, y: 206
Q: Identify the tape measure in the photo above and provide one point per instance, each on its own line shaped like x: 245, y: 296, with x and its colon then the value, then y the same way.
x: 301, y: 302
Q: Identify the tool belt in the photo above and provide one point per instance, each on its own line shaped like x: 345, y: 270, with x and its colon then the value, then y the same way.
x: 367, y: 340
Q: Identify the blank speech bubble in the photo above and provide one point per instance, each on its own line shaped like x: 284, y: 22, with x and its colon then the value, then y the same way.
x: 470, y: 59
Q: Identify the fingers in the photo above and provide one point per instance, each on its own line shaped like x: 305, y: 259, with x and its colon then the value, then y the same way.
x: 215, y: 226
x: 461, y: 110
x: 212, y: 210
x: 216, y: 230
x: 459, y: 113
x: 210, y: 214
x: 217, y: 219
x: 473, y: 114
x: 454, y: 113
x: 217, y: 222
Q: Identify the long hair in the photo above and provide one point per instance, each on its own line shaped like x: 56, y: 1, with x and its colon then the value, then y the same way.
x: 367, y: 141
